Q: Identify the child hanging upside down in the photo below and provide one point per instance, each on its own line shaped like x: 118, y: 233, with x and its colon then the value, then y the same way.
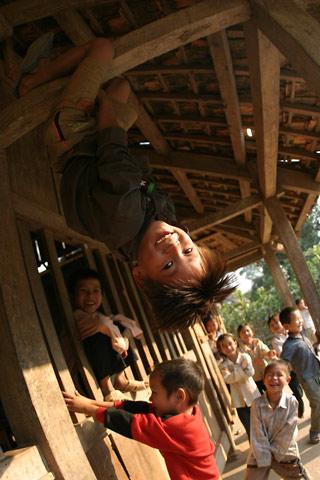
x: 107, y: 350
x: 172, y: 422
x: 111, y: 195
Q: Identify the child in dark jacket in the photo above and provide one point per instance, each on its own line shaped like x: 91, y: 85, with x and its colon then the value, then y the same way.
x: 172, y: 422
x: 111, y: 195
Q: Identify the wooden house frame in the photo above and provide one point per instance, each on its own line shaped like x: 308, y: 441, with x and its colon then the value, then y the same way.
x: 206, y: 75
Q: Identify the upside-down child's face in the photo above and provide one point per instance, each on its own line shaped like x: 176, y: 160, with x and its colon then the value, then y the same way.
x: 246, y: 335
x: 276, y: 379
x: 88, y: 295
x: 167, y: 255
x: 162, y: 402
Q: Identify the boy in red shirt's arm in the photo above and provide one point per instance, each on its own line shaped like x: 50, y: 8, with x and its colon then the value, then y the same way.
x: 172, y: 422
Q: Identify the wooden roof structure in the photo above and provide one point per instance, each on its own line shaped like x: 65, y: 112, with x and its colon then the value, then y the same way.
x: 227, y: 118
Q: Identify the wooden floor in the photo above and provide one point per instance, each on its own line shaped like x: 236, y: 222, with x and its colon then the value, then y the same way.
x: 310, y: 454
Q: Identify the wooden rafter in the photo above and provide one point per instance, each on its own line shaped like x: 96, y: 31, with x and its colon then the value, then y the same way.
x: 226, y: 214
x: 243, y: 261
x: 220, y: 52
x: 295, y: 33
x: 264, y: 65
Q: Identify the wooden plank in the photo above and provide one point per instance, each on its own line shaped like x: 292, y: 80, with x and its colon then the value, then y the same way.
x: 74, y: 26
x: 29, y: 371
x: 295, y: 33
x: 234, y: 264
x: 89, y: 377
x: 221, y: 55
x: 246, y: 248
x: 225, y: 214
x: 41, y: 217
x: 277, y: 275
x: 296, y: 257
x: 264, y: 66
x: 49, y: 330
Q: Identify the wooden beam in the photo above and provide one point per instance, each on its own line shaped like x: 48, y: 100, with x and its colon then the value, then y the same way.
x: 296, y: 257
x: 264, y: 66
x: 243, y: 250
x: 225, y: 168
x: 225, y: 214
x: 294, y: 32
x: 152, y: 133
x: 25, y: 363
x: 277, y: 275
x: 307, y: 207
x: 234, y: 264
x: 74, y: 26
x: 221, y: 55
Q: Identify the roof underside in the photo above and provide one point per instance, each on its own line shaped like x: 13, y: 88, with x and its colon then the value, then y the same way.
x: 226, y: 118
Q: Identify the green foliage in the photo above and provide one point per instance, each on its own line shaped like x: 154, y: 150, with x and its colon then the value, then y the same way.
x: 255, y: 306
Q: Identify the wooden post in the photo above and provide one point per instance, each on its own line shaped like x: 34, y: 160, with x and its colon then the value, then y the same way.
x: 296, y: 257
x: 29, y: 389
x: 277, y: 275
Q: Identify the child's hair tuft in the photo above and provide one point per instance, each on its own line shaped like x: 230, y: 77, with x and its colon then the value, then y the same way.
x: 180, y: 306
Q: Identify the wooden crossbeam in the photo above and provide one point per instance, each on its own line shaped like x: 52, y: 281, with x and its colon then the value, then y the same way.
x: 294, y: 32
x: 74, y: 26
x: 225, y: 168
x: 311, y: 199
x: 264, y: 65
x: 225, y: 214
x: 243, y: 250
x: 236, y: 263
x: 220, y: 53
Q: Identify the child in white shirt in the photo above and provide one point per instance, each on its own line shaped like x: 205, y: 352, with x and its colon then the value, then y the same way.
x: 237, y: 371
x: 274, y: 429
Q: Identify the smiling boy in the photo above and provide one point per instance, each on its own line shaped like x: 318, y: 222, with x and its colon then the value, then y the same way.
x: 111, y: 196
x: 274, y: 429
x: 298, y: 351
x: 172, y: 422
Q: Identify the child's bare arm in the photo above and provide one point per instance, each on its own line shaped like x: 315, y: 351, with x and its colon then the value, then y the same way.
x: 78, y: 403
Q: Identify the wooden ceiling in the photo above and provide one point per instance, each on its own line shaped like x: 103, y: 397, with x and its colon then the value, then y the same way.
x: 227, y: 118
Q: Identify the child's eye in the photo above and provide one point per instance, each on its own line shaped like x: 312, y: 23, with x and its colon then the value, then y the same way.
x: 187, y: 251
x: 167, y: 265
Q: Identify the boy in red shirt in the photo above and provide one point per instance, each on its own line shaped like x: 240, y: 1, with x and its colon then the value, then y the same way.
x: 172, y: 422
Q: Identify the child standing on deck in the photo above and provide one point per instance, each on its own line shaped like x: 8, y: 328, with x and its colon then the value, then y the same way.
x: 299, y: 352
x: 108, y: 352
x: 258, y: 351
x: 111, y: 195
x: 172, y: 422
x: 274, y: 429
x: 279, y: 337
x: 237, y: 371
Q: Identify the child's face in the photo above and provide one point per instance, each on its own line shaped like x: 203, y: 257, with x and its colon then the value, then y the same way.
x: 163, y: 404
x: 276, y: 379
x: 88, y: 295
x: 246, y: 334
x: 167, y: 255
x: 228, y: 347
x: 275, y: 326
x: 211, y: 326
x: 296, y: 322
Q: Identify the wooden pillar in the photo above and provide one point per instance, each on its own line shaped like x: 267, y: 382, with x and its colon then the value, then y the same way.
x: 29, y: 389
x: 277, y: 275
x: 296, y: 257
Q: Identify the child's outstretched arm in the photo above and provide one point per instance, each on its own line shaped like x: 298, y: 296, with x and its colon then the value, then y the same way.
x: 80, y: 404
